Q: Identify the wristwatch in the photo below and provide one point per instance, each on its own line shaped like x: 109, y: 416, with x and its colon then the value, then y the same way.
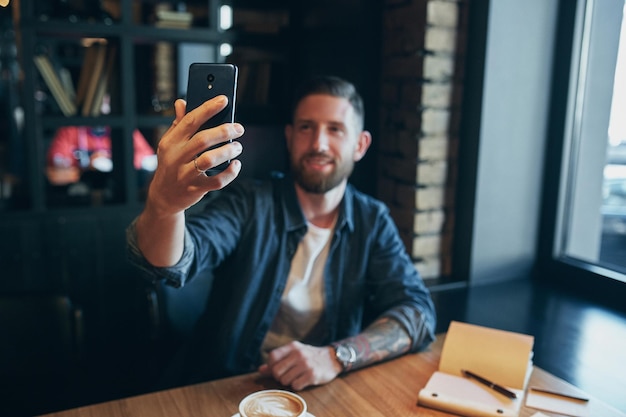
x: 345, y: 354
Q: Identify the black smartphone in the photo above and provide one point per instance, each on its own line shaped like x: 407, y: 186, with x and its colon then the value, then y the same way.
x: 207, y: 80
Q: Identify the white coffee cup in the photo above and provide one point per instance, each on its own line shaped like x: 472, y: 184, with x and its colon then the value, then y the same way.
x: 273, y: 403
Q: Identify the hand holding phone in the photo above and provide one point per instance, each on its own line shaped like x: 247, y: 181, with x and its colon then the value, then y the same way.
x: 207, y: 81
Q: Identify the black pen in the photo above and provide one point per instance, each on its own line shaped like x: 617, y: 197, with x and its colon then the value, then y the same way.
x: 492, y: 385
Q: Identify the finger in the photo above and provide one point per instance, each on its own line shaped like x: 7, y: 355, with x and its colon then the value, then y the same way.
x: 193, y: 120
x: 279, y: 353
x: 208, y: 138
x: 297, y: 371
x: 179, y: 107
x: 204, y: 184
x: 283, y: 363
x: 214, y: 157
x: 303, y: 380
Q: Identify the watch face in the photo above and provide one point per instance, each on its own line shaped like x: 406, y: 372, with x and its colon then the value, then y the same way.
x: 343, y: 354
x: 346, y: 356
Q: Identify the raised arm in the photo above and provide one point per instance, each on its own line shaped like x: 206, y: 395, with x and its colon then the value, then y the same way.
x: 179, y: 181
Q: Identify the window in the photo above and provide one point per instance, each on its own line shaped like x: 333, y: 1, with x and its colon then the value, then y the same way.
x: 591, y: 225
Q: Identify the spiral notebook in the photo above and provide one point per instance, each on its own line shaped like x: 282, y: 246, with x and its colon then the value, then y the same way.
x: 499, y: 356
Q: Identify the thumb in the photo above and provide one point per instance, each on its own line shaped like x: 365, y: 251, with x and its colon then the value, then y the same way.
x: 180, y: 106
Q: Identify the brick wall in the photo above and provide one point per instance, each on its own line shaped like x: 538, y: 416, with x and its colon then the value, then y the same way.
x: 423, y: 53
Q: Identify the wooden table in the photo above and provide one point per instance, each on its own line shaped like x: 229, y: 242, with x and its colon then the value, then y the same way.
x: 387, y: 389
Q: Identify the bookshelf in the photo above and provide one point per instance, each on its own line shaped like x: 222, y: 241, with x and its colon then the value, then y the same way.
x: 122, y: 65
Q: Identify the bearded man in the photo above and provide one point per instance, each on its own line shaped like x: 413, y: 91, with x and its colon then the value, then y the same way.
x: 311, y: 276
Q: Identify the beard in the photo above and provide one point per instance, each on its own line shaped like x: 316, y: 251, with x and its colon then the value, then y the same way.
x: 317, y: 182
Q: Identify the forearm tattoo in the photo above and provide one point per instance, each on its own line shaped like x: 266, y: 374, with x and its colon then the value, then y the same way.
x: 383, y: 339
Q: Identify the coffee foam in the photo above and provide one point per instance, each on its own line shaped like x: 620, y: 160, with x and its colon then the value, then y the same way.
x: 273, y: 404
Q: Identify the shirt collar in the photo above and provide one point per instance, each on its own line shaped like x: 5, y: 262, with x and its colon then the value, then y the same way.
x: 293, y: 216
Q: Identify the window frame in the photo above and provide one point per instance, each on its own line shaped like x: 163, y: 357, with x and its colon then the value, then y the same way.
x: 595, y: 281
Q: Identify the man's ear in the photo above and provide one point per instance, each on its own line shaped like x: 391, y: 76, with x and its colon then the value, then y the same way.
x: 363, y: 144
x: 288, y: 135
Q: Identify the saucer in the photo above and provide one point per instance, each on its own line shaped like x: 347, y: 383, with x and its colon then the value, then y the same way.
x: 307, y: 415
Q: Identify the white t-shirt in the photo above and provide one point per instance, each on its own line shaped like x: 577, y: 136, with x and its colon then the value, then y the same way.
x: 302, y: 303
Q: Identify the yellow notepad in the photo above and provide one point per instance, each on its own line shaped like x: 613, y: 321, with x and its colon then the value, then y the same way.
x: 500, y: 356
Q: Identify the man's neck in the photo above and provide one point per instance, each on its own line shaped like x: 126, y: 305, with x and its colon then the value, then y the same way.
x: 321, y: 209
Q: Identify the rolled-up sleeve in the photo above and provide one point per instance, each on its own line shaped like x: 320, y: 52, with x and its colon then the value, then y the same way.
x: 175, y: 275
x: 399, y: 290
x: 419, y: 324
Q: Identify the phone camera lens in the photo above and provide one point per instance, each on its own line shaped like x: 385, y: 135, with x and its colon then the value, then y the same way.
x: 210, y: 78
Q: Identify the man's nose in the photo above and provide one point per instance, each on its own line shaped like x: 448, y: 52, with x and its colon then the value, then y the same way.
x: 320, y: 140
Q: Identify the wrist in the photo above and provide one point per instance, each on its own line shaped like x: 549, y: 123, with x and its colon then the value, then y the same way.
x: 345, y: 356
x: 337, y: 366
x: 157, y: 208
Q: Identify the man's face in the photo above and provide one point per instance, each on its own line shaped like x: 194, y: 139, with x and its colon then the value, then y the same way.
x: 324, y: 142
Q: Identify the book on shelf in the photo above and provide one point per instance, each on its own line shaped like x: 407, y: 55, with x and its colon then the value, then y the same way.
x: 103, y: 82
x: 68, y: 84
x: 173, y: 19
x: 172, y: 15
x: 55, y: 85
x: 495, y: 356
x: 164, y: 86
x: 94, y: 73
x: 85, y: 74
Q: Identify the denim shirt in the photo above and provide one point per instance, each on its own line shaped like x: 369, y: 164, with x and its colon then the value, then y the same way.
x: 248, y: 236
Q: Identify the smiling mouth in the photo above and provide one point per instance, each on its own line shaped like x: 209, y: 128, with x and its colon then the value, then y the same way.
x: 318, y: 161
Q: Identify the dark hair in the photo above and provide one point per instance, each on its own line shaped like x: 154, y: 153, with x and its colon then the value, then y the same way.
x: 332, y: 86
